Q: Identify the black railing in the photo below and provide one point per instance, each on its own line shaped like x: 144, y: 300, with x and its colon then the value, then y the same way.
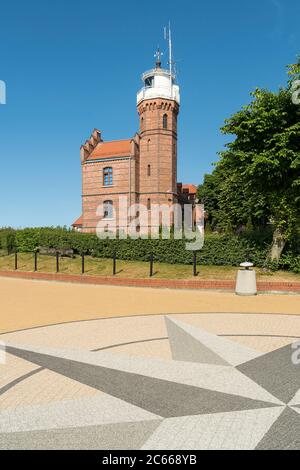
x: 114, y: 263
x: 82, y: 264
x: 195, y: 272
x: 57, y: 262
x: 151, y: 265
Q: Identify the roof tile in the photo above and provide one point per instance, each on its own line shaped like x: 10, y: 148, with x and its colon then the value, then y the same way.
x: 78, y: 221
x: 115, y: 148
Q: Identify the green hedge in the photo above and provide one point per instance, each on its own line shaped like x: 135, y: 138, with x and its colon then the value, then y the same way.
x: 220, y: 250
x: 7, y: 240
x: 290, y: 262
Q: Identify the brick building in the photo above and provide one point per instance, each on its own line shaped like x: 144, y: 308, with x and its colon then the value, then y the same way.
x: 142, y: 169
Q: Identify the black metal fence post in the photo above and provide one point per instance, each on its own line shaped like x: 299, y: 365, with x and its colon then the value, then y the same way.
x: 195, y: 263
x: 35, y: 261
x: 57, y: 262
x: 114, y: 264
x: 151, y: 265
x: 82, y: 264
x: 16, y: 261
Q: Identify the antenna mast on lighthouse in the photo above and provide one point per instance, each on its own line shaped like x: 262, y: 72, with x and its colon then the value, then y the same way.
x: 168, y: 37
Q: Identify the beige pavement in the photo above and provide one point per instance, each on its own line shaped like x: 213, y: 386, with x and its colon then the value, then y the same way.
x: 93, y: 384
x: 27, y: 303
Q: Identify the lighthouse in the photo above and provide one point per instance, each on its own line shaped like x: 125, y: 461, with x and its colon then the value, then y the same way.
x: 158, y: 104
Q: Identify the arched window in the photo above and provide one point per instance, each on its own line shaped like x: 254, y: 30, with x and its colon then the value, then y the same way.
x: 149, y: 204
x: 165, y: 121
x: 108, y: 210
x: 108, y: 176
x: 149, y: 170
x: 148, y: 145
x: 142, y: 124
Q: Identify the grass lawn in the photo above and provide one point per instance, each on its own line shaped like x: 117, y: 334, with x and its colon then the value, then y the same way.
x: 134, y: 269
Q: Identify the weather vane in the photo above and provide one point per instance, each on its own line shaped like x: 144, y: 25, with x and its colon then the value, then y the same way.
x: 158, y: 55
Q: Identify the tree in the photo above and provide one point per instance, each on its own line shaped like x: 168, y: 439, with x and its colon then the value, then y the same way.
x: 257, y: 178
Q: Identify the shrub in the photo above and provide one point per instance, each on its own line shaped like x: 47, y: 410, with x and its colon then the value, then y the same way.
x: 219, y: 249
x: 290, y: 262
x: 27, y: 239
x: 7, y: 240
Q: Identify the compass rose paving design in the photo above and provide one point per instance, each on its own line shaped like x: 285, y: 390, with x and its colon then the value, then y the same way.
x: 194, y: 381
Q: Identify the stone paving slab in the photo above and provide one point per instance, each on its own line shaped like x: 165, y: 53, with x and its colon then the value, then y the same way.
x: 113, y: 383
x: 43, y: 387
x: 216, y: 378
x: 241, y: 430
x: 120, y: 436
x: 101, y: 409
x: 47, y: 303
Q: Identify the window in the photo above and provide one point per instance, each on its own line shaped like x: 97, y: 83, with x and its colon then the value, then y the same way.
x: 149, y: 170
x: 108, y: 210
x: 149, y: 204
x: 165, y: 121
x: 149, y: 82
x: 142, y: 124
x: 107, y: 176
x: 148, y: 145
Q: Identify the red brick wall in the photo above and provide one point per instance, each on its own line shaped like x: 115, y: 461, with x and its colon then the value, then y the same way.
x: 158, y: 146
x: 159, y: 283
x: 155, y: 146
x: 95, y: 193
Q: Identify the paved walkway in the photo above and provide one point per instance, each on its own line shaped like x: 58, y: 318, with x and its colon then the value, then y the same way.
x: 185, y: 381
x: 154, y: 369
x: 26, y: 303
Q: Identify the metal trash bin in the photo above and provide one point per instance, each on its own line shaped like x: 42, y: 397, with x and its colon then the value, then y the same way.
x: 246, y: 280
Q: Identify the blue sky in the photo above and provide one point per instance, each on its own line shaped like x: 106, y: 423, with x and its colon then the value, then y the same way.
x: 70, y: 66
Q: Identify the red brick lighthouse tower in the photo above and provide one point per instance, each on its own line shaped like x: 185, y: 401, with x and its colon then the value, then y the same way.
x: 158, y: 107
